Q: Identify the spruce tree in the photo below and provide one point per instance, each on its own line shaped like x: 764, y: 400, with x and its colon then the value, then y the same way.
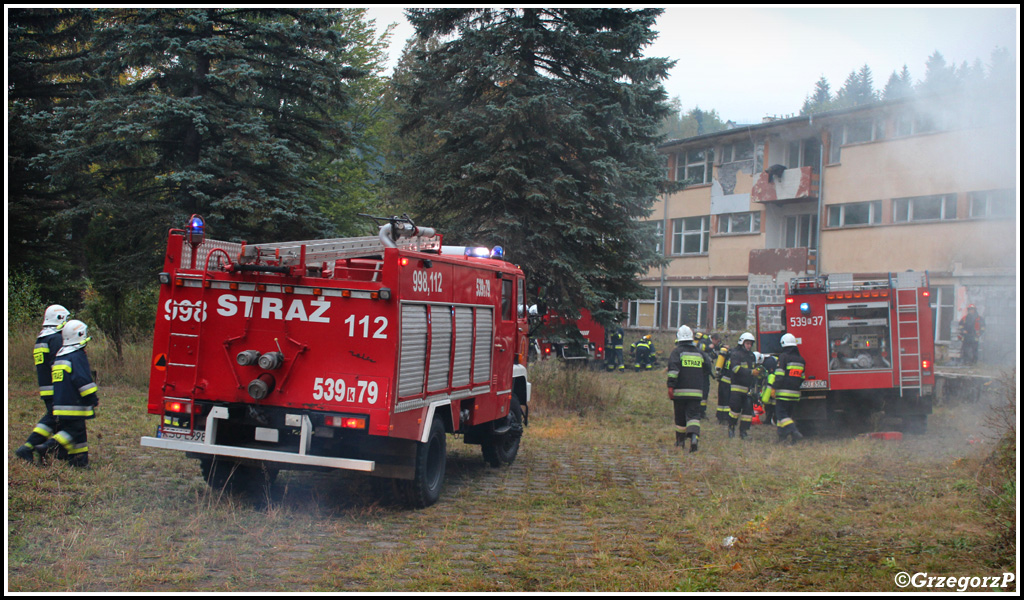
x: 540, y: 128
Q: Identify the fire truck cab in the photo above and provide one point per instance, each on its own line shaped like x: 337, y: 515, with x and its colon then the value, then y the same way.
x: 350, y: 353
x: 868, y: 346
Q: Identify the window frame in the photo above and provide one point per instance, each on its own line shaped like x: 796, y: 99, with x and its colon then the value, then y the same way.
x: 874, y: 214
x: 1000, y: 196
x: 677, y: 304
x: 654, y: 301
x: 729, y: 219
x: 680, y: 235
x: 684, y: 164
x: 810, y: 229
x: 903, y: 209
x: 726, y: 306
x: 840, y: 136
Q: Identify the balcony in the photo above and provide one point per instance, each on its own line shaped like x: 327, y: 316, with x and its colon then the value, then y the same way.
x: 772, y: 261
x: 778, y: 184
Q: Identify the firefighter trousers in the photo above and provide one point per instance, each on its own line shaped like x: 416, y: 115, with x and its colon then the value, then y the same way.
x: 45, y: 428
x: 74, y: 439
x: 687, y: 419
x: 724, y: 399
x: 784, y: 417
x: 741, y: 408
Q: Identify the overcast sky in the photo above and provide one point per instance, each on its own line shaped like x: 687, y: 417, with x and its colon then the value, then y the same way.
x: 748, y: 62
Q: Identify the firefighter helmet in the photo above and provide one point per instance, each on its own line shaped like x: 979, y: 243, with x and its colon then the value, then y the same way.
x: 55, y: 316
x: 788, y: 340
x: 747, y: 337
x: 75, y: 333
x: 684, y: 334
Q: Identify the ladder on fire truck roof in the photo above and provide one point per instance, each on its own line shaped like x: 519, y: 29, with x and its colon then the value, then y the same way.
x: 908, y: 328
x: 321, y: 251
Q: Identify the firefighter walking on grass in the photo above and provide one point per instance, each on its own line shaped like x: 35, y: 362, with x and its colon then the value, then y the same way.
x: 786, y: 381
x: 743, y: 373
x: 48, y: 343
x: 687, y: 366
x: 74, y: 393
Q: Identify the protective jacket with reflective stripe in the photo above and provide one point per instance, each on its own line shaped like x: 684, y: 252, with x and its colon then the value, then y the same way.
x: 741, y: 366
x: 688, y: 369
x: 47, y: 345
x: 789, y: 375
x: 74, y: 391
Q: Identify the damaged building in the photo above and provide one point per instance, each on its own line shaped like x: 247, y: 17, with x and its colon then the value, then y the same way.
x: 868, y: 191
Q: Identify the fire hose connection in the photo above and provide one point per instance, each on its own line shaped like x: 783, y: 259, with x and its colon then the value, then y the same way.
x: 260, y: 387
x: 248, y: 357
x: 271, y: 360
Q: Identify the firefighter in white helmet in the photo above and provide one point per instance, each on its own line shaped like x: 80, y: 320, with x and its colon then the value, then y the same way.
x: 789, y: 375
x: 687, y: 367
x: 742, y: 368
x: 74, y: 393
x: 48, y: 343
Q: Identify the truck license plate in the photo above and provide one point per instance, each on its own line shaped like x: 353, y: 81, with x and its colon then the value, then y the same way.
x: 814, y: 384
x: 181, y: 434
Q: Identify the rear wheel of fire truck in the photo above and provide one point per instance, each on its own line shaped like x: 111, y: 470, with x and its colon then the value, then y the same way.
x: 425, y: 487
x: 915, y: 424
x: 503, y: 445
x: 230, y: 476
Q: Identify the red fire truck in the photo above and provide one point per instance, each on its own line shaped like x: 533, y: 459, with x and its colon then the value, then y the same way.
x: 558, y: 336
x: 352, y: 353
x: 868, y: 346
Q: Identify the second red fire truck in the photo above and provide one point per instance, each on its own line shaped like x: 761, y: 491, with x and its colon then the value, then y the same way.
x: 353, y: 353
x: 868, y: 346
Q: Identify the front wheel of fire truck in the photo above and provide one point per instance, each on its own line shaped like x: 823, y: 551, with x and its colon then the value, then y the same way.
x: 503, y: 444
x: 425, y: 487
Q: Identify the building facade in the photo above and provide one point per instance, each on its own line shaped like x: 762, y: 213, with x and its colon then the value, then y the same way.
x: 914, y: 185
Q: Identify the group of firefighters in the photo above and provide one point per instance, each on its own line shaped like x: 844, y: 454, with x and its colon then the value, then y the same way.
x: 66, y: 388
x: 739, y: 371
x: 641, y: 351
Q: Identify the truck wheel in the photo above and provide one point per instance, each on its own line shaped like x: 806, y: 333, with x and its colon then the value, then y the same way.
x: 425, y: 487
x: 230, y: 476
x: 915, y: 424
x: 504, y: 447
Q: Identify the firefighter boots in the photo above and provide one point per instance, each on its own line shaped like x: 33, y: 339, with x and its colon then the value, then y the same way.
x: 693, y: 443
x: 26, y: 453
x: 797, y: 436
x: 732, y: 431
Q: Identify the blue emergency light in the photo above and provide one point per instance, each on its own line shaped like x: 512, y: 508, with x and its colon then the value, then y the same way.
x: 805, y: 308
x: 196, y: 230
